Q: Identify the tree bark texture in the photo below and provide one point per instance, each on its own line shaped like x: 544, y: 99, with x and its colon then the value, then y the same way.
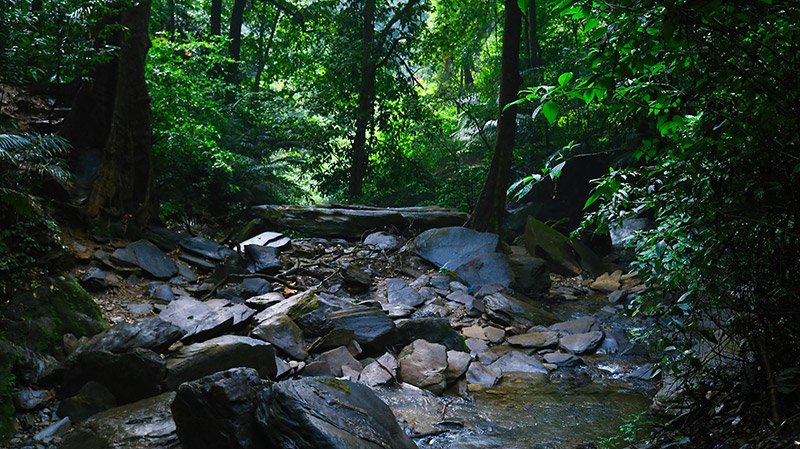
x: 491, y: 205
x: 216, y: 17
x: 124, y: 188
x: 235, y: 33
x: 532, y: 32
x: 366, y: 94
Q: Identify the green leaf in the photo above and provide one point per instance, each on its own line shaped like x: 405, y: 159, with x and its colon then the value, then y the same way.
x: 564, y: 78
x: 550, y: 111
x: 556, y: 171
x: 523, y: 5
x: 588, y: 95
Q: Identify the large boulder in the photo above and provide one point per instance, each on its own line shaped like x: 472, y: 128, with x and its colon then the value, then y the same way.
x: 515, y: 361
x: 580, y: 343
x: 312, y: 413
x: 433, y: 330
x: 565, y: 256
x: 217, y: 411
x: 423, y: 365
x: 513, y: 312
x: 530, y: 273
x: 203, y: 320
x: 577, y: 326
x: 229, y: 351
x: 145, y: 424
x: 450, y: 247
x: 484, y: 269
x: 262, y: 259
x: 205, y: 248
x: 130, y: 376
x: 148, y: 257
x: 371, y: 327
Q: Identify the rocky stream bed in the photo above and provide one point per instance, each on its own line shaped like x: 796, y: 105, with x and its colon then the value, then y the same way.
x: 279, y: 342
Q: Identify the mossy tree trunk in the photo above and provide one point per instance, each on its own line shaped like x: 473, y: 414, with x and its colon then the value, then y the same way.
x: 124, y: 188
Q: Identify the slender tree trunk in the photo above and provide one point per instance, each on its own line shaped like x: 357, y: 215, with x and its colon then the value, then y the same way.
x: 216, y: 17
x: 532, y: 34
x: 366, y: 95
x: 171, y: 20
x: 124, y: 188
x: 235, y: 33
x: 489, y: 211
x: 264, y: 56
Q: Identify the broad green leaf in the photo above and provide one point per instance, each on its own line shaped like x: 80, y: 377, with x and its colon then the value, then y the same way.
x: 588, y: 95
x: 523, y: 5
x: 550, y: 111
x: 564, y: 78
x: 556, y: 171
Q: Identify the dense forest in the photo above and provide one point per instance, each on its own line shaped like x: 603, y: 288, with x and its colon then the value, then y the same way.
x: 686, y: 113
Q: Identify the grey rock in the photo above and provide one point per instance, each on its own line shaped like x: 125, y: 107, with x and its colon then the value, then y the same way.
x: 262, y: 259
x: 513, y: 312
x: 139, y: 308
x: 250, y: 287
x: 186, y: 272
x: 95, y: 279
x: 284, y: 334
x: 332, y: 340
x: 228, y: 351
x: 474, y: 332
x: 163, y: 293
x: 440, y: 281
x: 489, y: 289
x: 577, y: 326
x: 480, y: 349
x: 451, y: 247
x: 92, y: 398
x: 396, y: 311
x: 55, y: 430
x: 31, y: 399
x: 383, y: 241
x: 145, y: 424
x: 563, y: 359
x: 203, y: 320
x: 483, y: 269
x: 434, y: 330
x: 354, y: 276
x: 483, y: 375
x: 263, y: 239
x: 217, y: 411
x: 148, y: 257
x: 536, y: 340
x: 616, y: 296
x: 399, y: 292
x: 530, y: 273
x: 423, y: 365
x: 165, y: 239
x: 335, y: 359
x: 494, y: 334
x: 311, y: 413
x: 375, y: 374
x: 264, y: 301
x: 515, y: 361
x: 206, y: 248
x: 130, y: 376
x: 372, y: 328
x: 457, y: 364
x: 581, y: 343
x: 198, y: 262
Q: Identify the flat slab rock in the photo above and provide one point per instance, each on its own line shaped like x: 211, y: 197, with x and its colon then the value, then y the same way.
x: 451, y: 247
x: 581, y: 343
x: 203, y: 320
x: 148, y: 257
x: 145, y: 424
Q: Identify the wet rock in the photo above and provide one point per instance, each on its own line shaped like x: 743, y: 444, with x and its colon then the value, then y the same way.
x: 580, y: 325
x: 457, y: 364
x: 142, y: 425
x: 399, y: 292
x: 451, y: 247
x: 203, y: 320
x: 562, y: 359
x: 607, y: 283
x: 262, y: 259
x: 229, y: 351
x: 148, y: 257
x: 480, y: 349
x: 536, y: 340
x: 581, y: 343
x: 423, y: 364
x: 92, y: 398
x: 520, y: 315
x: 355, y: 277
x: 333, y: 339
x: 31, y: 399
x: 198, y: 262
x: 311, y: 413
x: 130, y: 376
x: 515, y: 361
x: 483, y: 269
x: 483, y: 375
x: 217, y: 411
x: 375, y: 374
x: 284, y: 334
x: 383, y: 241
x: 373, y: 330
x: 434, y: 330
x: 617, y: 296
x: 494, y: 334
x: 204, y: 247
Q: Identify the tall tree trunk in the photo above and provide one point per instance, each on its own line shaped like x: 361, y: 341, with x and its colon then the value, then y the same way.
x: 124, y: 188
x: 264, y: 56
x: 366, y: 95
x: 216, y: 17
x: 489, y: 211
x: 235, y: 33
x: 171, y: 19
x: 532, y: 34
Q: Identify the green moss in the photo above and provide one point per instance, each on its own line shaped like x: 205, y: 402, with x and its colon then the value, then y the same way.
x: 307, y: 304
x: 335, y: 384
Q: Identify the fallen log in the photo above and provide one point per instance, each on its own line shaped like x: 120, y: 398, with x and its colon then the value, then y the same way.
x: 354, y: 222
